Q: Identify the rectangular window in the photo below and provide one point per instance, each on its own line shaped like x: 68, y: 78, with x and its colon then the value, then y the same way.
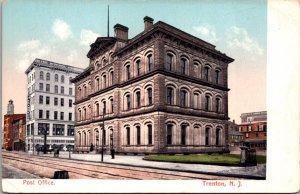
x: 70, y: 116
x: 247, y: 135
x: 41, y: 99
x: 41, y: 86
x: 32, y: 128
x: 70, y: 91
x: 70, y: 103
x: 249, y: 128
x: 61, y: 115
x: 62, y: 90
x: 58, y: 129
x: 42, y: 128
x: 47, y: 100
x: 55, y: 115
x: 56, y: 89
x: 47, y: 114
x: 62, y: 102
x: 55, y: 101
x: 40, y: 114
x: 138, y: 135
x: 47, y: 87
x: 70, y: 131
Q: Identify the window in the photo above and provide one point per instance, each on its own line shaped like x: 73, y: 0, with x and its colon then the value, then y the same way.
x: 70, y: 80
x: 149, y: 91
x: 47, y: 100
x: 128, y: 135
x: 104, y: 107
x: 97, y: 83
x: 104, y: 136
x: 58, y: 129
x: 70, y: 103
x: 62, y: 90
x: 128, y: 101
x: 170, y: 94
x: 41, y: 86
x: 128, y: 72
x: 55, y: 115
x: 41, y: 99
x: 169, y: 133
x: 41, y: 75
x: 62, y: 102
x: 61, y: 115
x: 149, y: 134
x: 47, y: 87
x: 207, y: 136
x: 169, y: 62
x: 206, y: 73
x: 207, y: 102
x: 48, y: 76
x: 111, y: 105
x: 97, y: 109
x: 70, y: 116
x: 70, y: 131
x: 218, y: 102
x: 40, y: 114
x: 56, y: 89
x: 256, y: 134
x: 247, y: 135
x: 47, y: 114
x: 217, y: 76
x: 42, y: 127
x: 62, y: 79
x: 104, y: 81
x: 138, y: 99
x: 196, y: 70
x: 183, y: 98
x: 249, y: 128
x: 196, y: 101
x: 183, y: 134
x: 138, y: 135
x: 138, y: 67
x: 56, y: 78
x: 150, y: 62
x: 70, y: 91
x: 183, y: 66
x: 218, y: 136
x: 55, y: 101
x: 112, y: 77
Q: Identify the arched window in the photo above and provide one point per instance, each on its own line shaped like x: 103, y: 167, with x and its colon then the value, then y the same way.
x: 183, y: 98
x: 149, y: 95
x: 207, y: 102
x: 138, y: 135
x: 170, y: 95
x: 169, y: 133
x: 84, y: 113
x: 127, y: 102
x: 207, y: 135
x: 79, y: 114
x: 138, y: 67
x: 97, y: 109
x: 111, y: 105
x: 79, y: 139
x: 217, y: 76
x: 104, y: 107
x: 111, y: 74
x: 128, y: 135
x: 170, y: 61
x: 206, y: 73
x: 41, y: 75
x: 104, y: 81
x: 97, y: 83
x: 97, y: 138
x: 138, y: 99
x: 48, y: 76
x: 218, y: 130
x: 183, y: 134
x: 149, y: 62
x: 196, y: 70
x: 56, y: 78
x: 128, y: 71
x: 149, y: 134
x: 196, y: 100
x: 62, y: 79
x: 218, y: 105
x: 183, y: 66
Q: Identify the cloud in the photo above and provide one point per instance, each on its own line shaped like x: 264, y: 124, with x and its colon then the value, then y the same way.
x: 61, y: 29
x: 238, y: 38
x: 87, y: 37
x: 206, y: 32
x: 27, y: 51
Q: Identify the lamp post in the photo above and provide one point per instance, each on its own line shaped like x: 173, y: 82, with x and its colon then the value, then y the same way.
x: 102, y: 126
x: 44, y: 132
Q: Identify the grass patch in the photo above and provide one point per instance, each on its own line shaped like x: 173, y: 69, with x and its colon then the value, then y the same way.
x: 203, y: 158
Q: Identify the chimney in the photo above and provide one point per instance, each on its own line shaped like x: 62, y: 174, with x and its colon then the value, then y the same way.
x: 121, y: 32
x: 10, y: 107
x: 148, y: 23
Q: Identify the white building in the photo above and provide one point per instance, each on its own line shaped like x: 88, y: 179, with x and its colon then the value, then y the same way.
x: 50, y: 104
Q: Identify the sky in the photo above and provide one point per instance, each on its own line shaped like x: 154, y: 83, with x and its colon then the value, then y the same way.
x: 62, y: 30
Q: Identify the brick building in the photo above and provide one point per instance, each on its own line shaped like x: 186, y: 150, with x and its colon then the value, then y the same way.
x: 254, y: 127
x: 235, y: 138
x: 163, y: 91
x: 13, y: 129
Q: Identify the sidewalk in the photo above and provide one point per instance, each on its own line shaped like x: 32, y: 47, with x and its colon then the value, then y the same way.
x: 254, y: 172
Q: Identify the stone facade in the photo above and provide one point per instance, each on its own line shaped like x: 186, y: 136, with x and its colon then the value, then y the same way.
x: 163, y: 91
